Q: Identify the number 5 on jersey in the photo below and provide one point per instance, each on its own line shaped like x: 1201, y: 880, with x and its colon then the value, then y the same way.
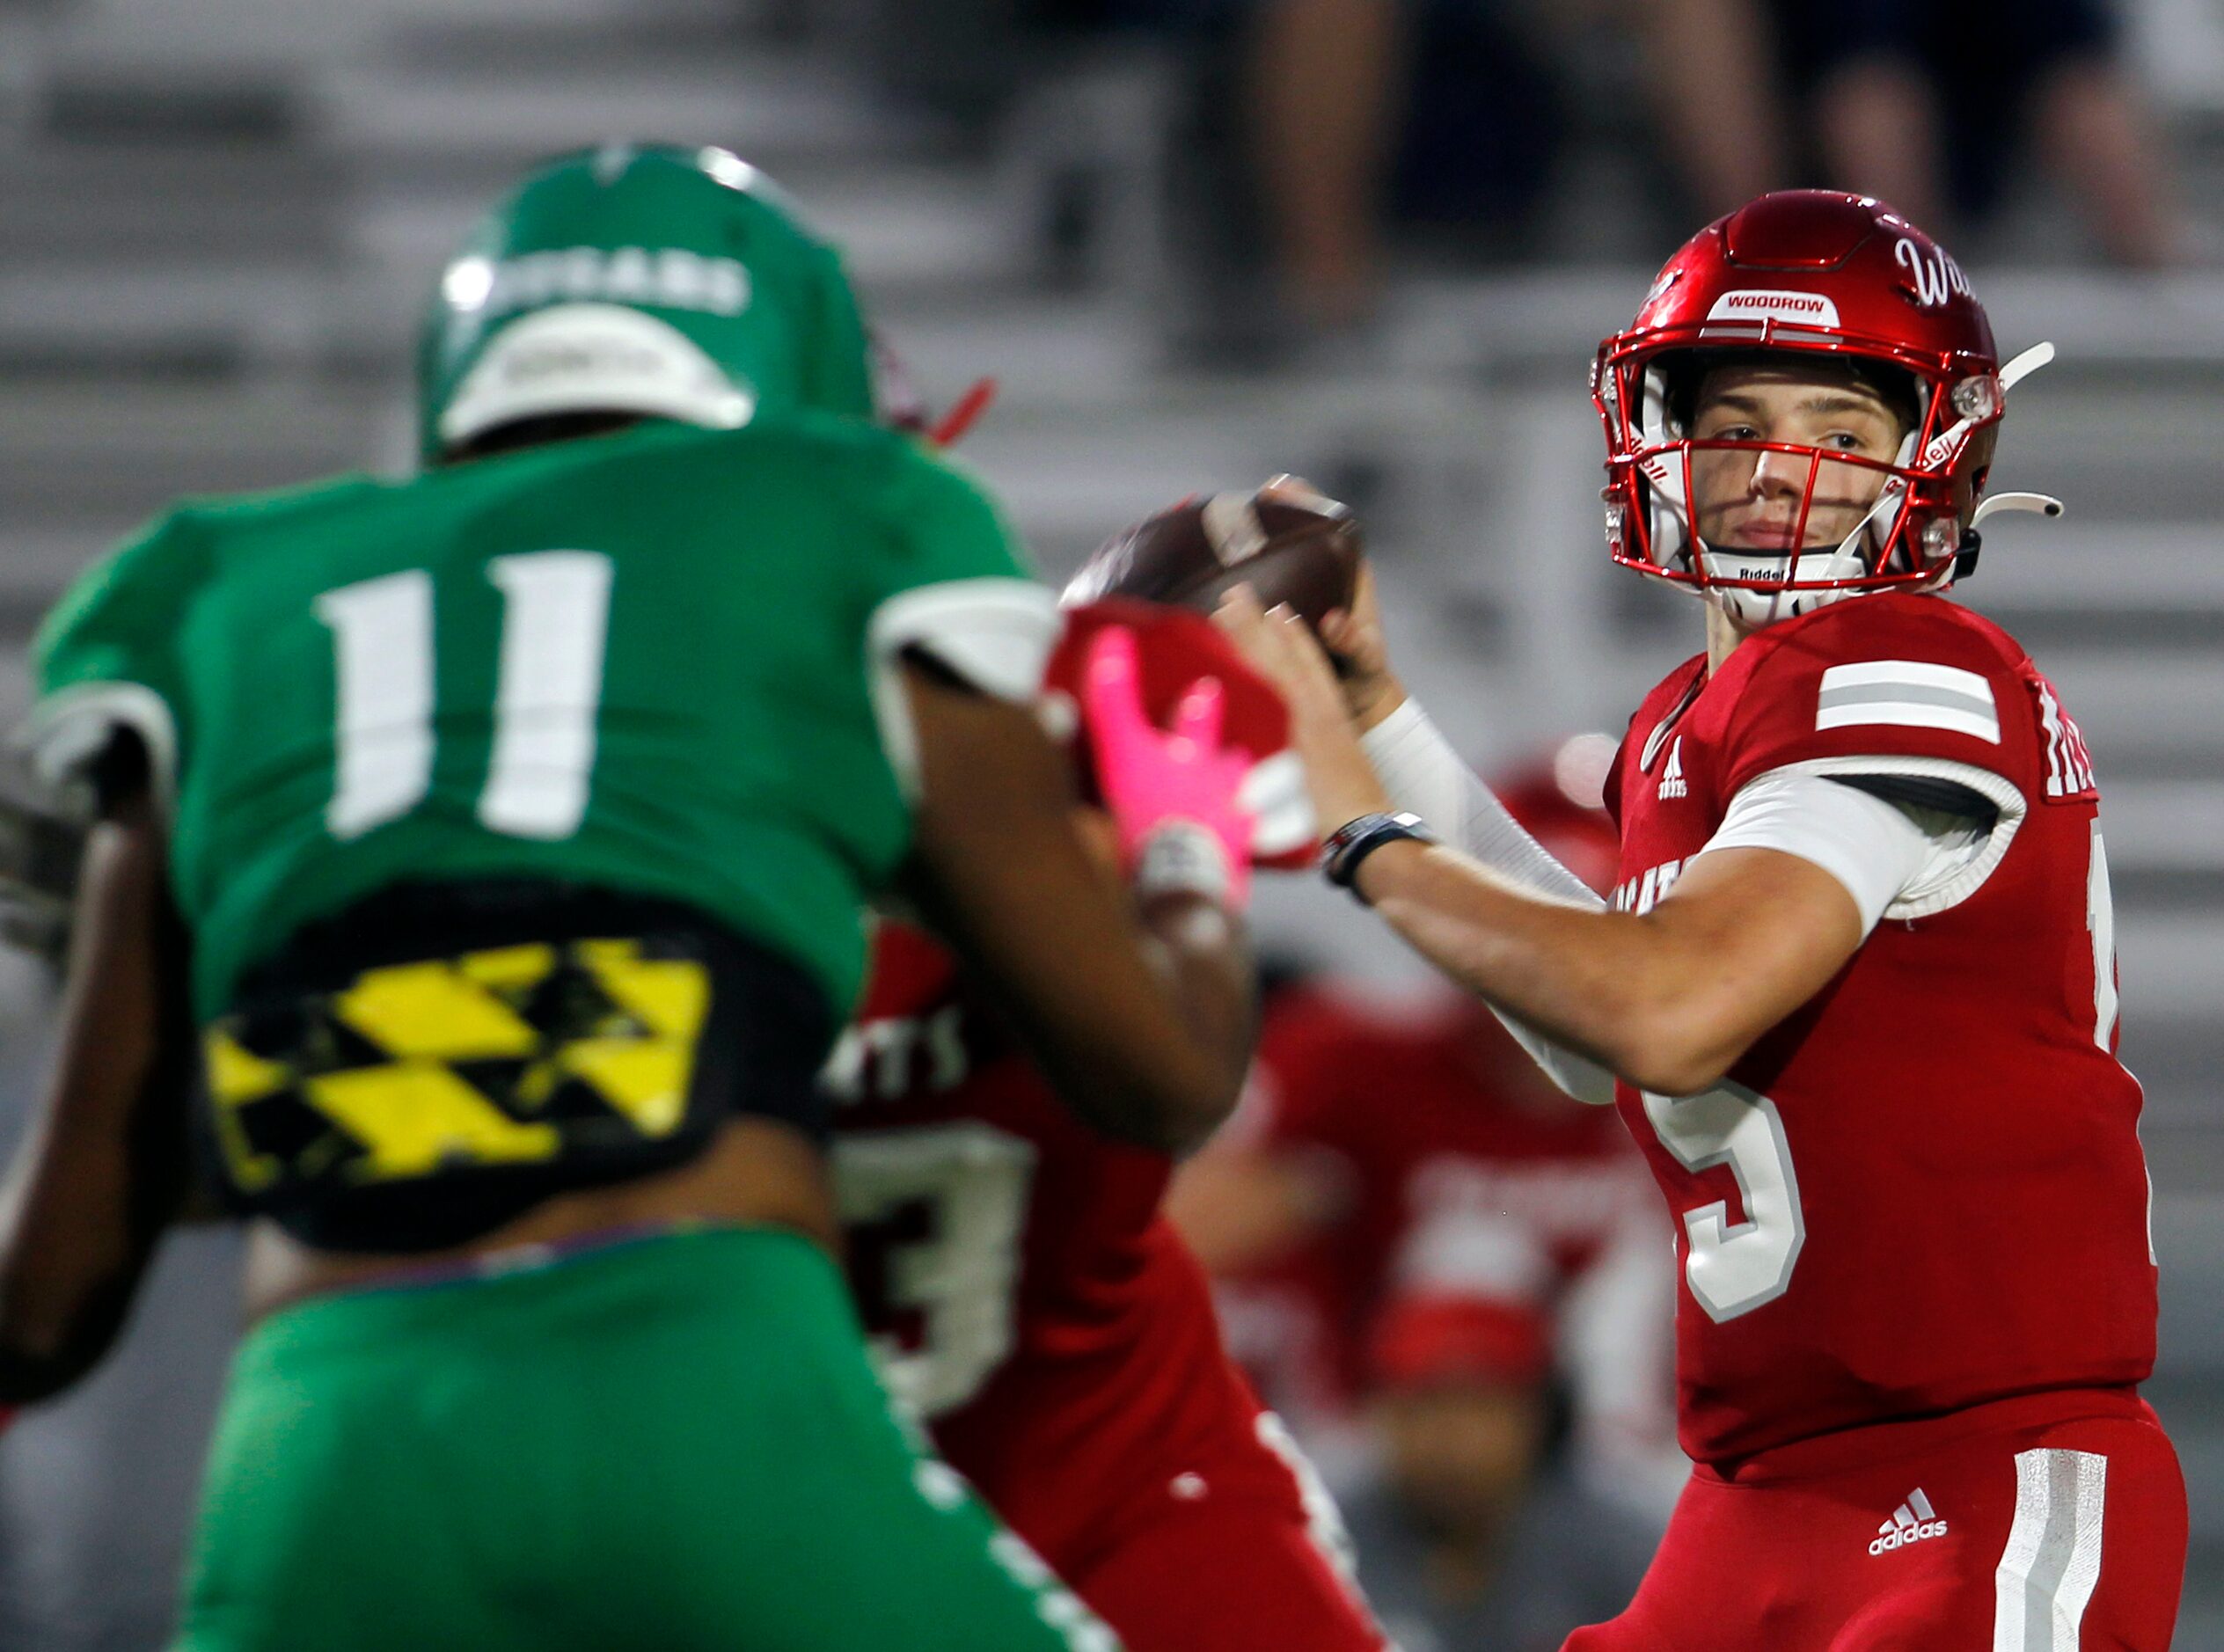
x: 556, y: 613
x: 1733, y: 1267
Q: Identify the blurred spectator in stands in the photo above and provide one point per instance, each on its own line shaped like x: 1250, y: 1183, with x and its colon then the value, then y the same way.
x: 1712, y: 90
x: 1927, y: 102
x: 1386, y: 1149
x: 1471, y: 1536
x: 1334, y: 83
x: 1350, y: 112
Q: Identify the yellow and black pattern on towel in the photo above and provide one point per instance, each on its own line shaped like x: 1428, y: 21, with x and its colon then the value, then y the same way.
x: 512, y: 1056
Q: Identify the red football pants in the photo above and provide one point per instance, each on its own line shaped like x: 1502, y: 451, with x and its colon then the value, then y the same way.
x: 1254, y: 1557
x: 2054, y: 1523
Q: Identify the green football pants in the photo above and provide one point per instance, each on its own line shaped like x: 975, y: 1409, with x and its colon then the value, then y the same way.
x: 674, y: 1444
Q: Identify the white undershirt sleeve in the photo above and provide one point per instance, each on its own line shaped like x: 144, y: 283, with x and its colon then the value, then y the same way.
x: 1896, y: 859
x: 1424, y: 776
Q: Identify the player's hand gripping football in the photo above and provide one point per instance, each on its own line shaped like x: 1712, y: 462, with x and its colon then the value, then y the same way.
x: 1175, y: 794
x: 1355, y: 641
x: 1352, y: 632
x: 1282, y: 647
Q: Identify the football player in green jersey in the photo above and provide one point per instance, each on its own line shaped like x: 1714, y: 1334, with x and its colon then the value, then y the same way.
x: 485, y: 854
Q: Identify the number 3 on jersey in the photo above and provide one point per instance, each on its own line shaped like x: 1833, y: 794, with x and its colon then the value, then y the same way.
x: 555, y: 618
x: 935, y: 1215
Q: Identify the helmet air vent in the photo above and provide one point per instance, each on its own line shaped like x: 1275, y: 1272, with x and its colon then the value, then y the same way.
x: 1798, y: 229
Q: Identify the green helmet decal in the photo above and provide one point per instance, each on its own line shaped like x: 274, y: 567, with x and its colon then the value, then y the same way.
x: 676, y: 283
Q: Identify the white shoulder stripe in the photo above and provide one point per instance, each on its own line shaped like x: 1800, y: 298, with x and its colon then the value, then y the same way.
x: 1909, y: 694
x: 997, y: 632
x: 1911, y: 714
x: 70, y: 727
x: 2052, y: 1561
x: 1910, y: 674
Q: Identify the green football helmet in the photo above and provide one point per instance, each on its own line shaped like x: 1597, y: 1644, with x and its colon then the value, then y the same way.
x: 672, y: 283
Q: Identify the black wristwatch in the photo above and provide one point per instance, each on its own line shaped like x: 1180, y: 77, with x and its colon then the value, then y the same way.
x: 1354, y: 840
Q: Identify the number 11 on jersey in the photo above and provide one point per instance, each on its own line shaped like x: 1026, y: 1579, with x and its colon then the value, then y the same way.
x: 556, y: 619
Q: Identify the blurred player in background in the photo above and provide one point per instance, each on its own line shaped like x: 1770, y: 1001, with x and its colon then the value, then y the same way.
x: 1029, y: 1299
x: 1377, y: 1147
x: 1857, y: 984
x: 496, y: 842
x: 1472, y: 1534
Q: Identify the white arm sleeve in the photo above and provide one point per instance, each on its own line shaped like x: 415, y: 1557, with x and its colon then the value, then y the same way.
x: 1896, y: 859
x: 1424, y: 776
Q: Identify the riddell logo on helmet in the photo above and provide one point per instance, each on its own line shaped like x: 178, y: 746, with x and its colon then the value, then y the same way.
x: 1812, y: 310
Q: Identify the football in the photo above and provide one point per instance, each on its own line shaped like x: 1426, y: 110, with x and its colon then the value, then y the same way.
x: 1287, y: 544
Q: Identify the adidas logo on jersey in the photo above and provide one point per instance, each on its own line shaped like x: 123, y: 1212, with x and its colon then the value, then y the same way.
x: 1671, y: 777
x: 1911, y: 1523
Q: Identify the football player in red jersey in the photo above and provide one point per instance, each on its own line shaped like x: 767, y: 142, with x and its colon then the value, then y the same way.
x: 1856, y: 987
x: 1317, y: 1201
x: 1031, y: 1303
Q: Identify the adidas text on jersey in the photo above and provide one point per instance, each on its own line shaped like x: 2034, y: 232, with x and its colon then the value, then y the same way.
x: 1911, y: 1523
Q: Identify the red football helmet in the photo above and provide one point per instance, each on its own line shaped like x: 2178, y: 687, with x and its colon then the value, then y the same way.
x: 1837, y: 276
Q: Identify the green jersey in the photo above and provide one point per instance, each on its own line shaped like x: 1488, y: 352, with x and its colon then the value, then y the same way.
x: 659, y: 662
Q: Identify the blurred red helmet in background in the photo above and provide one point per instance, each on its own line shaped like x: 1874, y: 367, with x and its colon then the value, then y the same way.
x: 1420, y: 1339
x: 1558, y: 798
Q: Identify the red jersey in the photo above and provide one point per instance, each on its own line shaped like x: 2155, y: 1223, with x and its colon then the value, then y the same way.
x: 1012, y: 1267
x: 1445, y: 1158
x: 1924, y: 1189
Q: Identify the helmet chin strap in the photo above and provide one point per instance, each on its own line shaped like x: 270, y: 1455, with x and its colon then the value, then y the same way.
x: 1964, y: 562
x: 1667, y: 506
x: 2035, y: 504
x: 2024, y: 364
